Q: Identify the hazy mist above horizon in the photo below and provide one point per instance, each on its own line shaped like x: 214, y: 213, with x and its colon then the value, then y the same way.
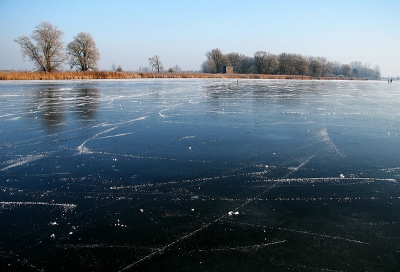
x: 127, y: 33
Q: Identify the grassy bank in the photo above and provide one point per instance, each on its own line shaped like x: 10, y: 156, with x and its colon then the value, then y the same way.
x: 6, y: 75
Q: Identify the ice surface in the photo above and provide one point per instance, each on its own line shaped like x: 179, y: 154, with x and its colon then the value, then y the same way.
x: 182, y: 175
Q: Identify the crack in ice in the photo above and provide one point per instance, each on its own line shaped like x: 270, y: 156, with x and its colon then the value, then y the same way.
x: 228, y: 214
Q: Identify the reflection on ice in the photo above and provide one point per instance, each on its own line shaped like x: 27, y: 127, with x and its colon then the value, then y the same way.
x: 176, y: 175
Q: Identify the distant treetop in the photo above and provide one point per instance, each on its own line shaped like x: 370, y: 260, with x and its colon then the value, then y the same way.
x: 263, y: 62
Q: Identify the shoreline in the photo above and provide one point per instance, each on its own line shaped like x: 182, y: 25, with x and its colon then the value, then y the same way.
x: 67, y: 75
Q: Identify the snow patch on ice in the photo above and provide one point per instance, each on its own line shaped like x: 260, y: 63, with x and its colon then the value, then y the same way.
x: 23, y: 160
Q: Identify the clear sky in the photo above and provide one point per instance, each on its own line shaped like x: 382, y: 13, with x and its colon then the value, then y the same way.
x: 127, y: 33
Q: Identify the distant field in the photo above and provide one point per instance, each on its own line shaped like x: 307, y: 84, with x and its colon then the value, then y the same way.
x: 128, y: 75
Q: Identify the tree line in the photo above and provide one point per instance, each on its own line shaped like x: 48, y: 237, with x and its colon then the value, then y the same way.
x: 286, y: 64
x: 46, y: 49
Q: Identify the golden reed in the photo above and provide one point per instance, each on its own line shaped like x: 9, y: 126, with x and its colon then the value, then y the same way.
x: 69, y: 75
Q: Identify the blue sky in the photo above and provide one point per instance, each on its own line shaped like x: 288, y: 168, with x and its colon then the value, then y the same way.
x: 181, y: 32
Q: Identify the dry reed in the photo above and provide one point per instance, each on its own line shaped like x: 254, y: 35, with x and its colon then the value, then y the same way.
x: 69, y: 75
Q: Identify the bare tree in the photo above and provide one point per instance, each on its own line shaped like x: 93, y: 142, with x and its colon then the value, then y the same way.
x: 233, y: 59
x: 83, y: 53
x: 346, y: 70
x: 47, y: 54
x: 260, y: 62
x: 244, y: 64
x: 300, y: 64
x: 316, y: 67
x: 363, y: 70
x: 325, y: 69
x: 377, y: 72
x: 293, y: 64
x: 208, y: 66
x: 218, y: 58
x: 334, y: 66
x: 144, y: 69
x: 356, y: 65
x: 272, y: 64
x: 284, y: 64
x: 177, y: 68
x: 156, y: 64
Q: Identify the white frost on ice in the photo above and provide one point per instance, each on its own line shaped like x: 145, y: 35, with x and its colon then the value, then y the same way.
x: 23, y: 160
x: 325, y: 136
x: 12, y: 204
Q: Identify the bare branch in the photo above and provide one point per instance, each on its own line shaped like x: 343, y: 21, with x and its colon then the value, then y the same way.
x: 155, y: 63
x: 47, y: 54
x: 83, y: 52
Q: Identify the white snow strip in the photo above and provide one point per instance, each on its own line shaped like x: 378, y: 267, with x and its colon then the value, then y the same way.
x: 172, y: 107
x: 252, y: 247
x: 186, y: 137
x: 23, y: 160
x: 308, y: 233
x: 323, y: 235
x: 295, y: 169
x: 133, y: 120
x: 84, y: 150
x: 328, y: 139
x: 117, y: 135
x: 19, y: 203
x: 330, y: 179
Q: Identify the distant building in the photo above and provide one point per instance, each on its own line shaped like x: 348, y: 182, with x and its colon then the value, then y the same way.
x: 227, y: 70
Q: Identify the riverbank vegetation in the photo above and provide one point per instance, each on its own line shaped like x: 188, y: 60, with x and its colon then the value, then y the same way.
x: 77, y: 75
x: 46, y: 49
x: 286, y: 64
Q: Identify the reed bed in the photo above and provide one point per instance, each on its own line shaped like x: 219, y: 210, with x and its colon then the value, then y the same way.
x: 69, y: 75
x: 66, y: 75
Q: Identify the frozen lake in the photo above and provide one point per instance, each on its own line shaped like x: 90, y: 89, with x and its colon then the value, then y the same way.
x: 199, y: 175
